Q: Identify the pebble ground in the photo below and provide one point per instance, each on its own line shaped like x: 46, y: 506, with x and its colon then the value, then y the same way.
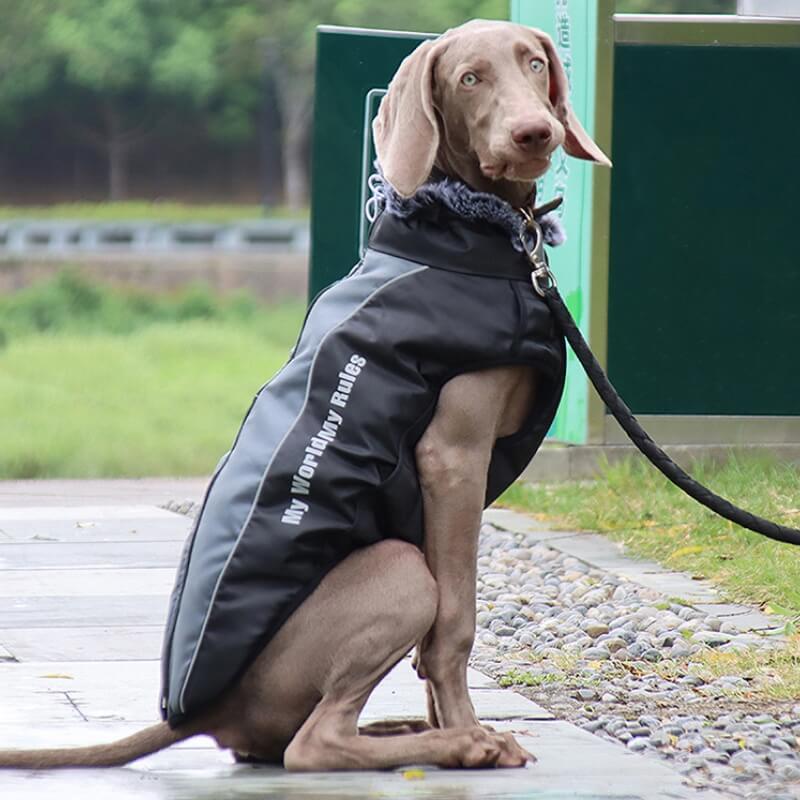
x: 615, y: 658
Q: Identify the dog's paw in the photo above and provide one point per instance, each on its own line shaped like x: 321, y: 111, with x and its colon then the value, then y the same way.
x: 513, y: 753
x: 475, y: 748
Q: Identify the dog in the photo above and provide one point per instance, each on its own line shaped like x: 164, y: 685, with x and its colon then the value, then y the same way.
x: 485, y: 104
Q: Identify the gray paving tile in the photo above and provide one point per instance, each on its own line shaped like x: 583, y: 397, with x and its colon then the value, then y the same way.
x: 129, y: 691
x: 756, y: 621
x: 672, y: 584
x: 77, y: 732
x: 60, y: 700
x: 87, y: 555
x: 402, y: 694
x: 144, y: 529
x: 723, y: 610
x: 81, y: 513
x: 21, y: 583
x: 602, y: 552
x: 110, y: 612
x: 197, y: 780
x: 33, y: 708
x: 118, y: 643
x: 118, y: 691
x: 581, y: 762
x: 523, y: 523
x: 114, y: 492
x: 403, y: 676
x: 571, y: 763
x: 744, y: 617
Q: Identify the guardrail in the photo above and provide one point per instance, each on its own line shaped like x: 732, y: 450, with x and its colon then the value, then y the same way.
x: 63, y: 237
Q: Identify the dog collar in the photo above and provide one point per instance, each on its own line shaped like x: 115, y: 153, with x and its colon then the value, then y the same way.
x: 441, y: 239
x: 464, y: 202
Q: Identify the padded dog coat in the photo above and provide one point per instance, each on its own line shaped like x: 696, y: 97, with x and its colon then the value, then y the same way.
x: 324, y: 460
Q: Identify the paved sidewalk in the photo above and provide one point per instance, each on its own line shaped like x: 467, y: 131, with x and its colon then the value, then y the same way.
x: 85, y: 572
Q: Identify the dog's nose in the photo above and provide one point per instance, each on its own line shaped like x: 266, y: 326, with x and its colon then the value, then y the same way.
x: 530, y: 135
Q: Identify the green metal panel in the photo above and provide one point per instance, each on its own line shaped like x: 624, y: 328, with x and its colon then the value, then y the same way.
x: 704, y: 284
x: 573, y: 26
x: 351, y: 63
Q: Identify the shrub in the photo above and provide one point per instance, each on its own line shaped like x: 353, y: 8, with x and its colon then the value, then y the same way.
x: 71, y: 303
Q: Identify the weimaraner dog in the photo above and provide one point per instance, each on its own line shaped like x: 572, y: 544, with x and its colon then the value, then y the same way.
x: 486, y: 102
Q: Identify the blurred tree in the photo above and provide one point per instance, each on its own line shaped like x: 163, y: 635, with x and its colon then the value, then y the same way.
x: 287, y: 41
x: 112, y: 70
x: 23, y: 70
x: 117, y: 73
x: 128, y: 58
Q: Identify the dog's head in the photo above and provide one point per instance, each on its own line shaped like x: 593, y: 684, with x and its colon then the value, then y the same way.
x: 486, y: 102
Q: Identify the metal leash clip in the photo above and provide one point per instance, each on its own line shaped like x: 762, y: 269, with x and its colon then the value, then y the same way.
x: 541, y: 276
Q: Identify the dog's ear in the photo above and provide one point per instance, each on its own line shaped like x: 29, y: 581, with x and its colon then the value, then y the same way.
x: 405, y: 130
x: 577, y: 142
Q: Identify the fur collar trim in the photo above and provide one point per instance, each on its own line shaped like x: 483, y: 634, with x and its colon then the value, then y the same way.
x: 462, y: 201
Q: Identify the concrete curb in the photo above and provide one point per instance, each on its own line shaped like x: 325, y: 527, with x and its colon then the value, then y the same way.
x: 555, y: 463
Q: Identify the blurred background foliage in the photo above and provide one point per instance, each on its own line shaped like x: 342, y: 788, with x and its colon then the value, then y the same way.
x: 186, y: 99
x: 186, y: 110
x: 105, y: 382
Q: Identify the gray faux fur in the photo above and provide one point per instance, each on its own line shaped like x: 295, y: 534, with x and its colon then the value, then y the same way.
x: 463, y: 201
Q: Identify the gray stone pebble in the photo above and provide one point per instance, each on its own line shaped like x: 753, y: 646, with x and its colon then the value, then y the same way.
x: 188, y: 508
x: 637, y: 743
x: 598, y: 653
x: 660, y: 739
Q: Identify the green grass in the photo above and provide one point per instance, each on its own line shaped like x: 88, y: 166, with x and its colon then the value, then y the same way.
x: 102, y: 383
x: 772, y: 674
x: 636, y: 505
x: 165, y: 400
x: 521, y: 677
x: 147, y: 211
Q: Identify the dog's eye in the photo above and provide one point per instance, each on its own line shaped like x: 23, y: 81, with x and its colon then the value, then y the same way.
x: 537, y: 65
x: 469, y: 79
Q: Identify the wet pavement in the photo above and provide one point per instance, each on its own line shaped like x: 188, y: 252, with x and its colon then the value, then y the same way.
x: 85, y: 572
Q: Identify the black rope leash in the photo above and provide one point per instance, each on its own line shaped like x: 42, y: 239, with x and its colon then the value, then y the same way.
x: 545, y: 285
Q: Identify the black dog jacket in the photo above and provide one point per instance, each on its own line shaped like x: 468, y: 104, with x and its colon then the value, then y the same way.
x: 324, y: 460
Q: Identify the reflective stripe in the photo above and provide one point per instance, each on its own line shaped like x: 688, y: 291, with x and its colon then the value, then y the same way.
x: 317, y: 322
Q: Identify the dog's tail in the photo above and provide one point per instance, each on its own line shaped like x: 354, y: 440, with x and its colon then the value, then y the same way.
x: 143, y: 743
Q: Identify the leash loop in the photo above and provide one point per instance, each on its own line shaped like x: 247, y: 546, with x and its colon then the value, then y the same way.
x: 541, y: 276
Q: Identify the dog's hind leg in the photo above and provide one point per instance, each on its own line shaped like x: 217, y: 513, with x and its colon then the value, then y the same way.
x: 363, y: 618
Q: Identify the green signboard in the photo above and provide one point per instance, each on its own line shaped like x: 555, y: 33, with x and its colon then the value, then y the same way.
x: 573, y: 25
x: 704, y: 316
x: 354, y: 67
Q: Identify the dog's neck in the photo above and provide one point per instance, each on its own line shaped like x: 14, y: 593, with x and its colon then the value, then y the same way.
x: 516, y: 193
x: 464, y: 202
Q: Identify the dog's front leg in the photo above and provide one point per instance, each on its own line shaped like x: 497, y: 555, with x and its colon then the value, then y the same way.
x: 452, y: 461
